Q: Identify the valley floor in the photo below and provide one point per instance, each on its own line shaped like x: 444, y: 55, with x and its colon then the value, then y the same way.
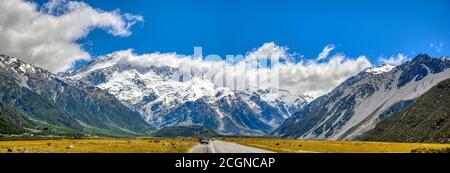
x: 182, y: 145
x: 322, y: 146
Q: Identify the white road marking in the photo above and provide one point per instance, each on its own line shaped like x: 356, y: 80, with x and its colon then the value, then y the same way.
x: 211, y: 147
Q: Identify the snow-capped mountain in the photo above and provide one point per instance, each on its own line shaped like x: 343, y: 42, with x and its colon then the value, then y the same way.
x: 363, y: 100
x: 48, y: 102
x: 162, y: 101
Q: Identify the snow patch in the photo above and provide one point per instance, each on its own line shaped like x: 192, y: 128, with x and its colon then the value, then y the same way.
x: 382, y: 69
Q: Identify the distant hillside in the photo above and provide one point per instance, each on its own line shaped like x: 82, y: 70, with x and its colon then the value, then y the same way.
x: 12, y: 121
x: 185, y: 131
x: 427, y: 120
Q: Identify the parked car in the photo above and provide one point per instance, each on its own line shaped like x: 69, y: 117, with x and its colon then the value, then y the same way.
x: 204, y: 141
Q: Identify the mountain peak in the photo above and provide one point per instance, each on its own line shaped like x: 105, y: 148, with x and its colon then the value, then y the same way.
x: 421, y: 57
x: 9, y: 59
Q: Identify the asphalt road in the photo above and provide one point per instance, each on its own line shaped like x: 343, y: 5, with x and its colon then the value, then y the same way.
x: 225, y: 147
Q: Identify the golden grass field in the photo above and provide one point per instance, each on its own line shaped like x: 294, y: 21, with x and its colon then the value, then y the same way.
x: 100, y: 145
x: 321, y: 146
x: 181, y: 145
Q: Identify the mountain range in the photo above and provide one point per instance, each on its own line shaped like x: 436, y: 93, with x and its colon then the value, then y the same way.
x: 109, y: 97
x: 163, y: 101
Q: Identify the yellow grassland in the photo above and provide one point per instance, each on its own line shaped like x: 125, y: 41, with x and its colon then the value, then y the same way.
x: 100, y: 145
x: 322, y: 146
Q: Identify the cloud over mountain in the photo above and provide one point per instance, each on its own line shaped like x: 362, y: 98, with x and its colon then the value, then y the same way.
x: 394, y: 60
x: 303, y: 77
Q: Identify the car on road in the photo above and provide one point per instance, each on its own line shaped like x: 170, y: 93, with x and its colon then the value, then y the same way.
x: 204, y: 141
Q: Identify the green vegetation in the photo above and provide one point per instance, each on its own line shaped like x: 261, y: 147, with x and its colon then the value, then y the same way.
x: 33, y: 106
x: 185, y: 131
x: 426, y: 120
x: 12, y: 121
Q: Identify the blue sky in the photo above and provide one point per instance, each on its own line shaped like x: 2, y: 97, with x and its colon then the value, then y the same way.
x: 371, y: 28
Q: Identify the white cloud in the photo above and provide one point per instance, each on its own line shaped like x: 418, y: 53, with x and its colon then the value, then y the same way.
x: 269, y: 51
x: 47, y: 37
x: 316, y: 79
x: 394, y: 60
x: 305, y: 77
x: 438, y: 47
x: 326, y: 50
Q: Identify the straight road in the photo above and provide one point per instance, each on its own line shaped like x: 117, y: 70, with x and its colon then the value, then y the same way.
x: 225, y: 147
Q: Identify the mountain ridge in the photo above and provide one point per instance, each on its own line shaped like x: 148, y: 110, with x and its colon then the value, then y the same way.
x: 354, y: 107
